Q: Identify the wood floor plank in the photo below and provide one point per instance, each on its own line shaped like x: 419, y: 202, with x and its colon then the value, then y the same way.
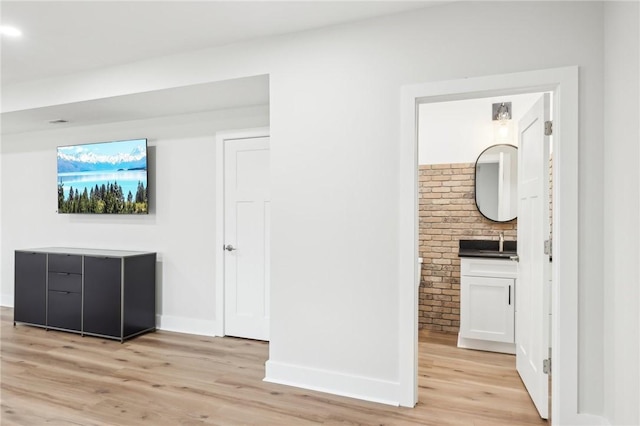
x: 163, y: 378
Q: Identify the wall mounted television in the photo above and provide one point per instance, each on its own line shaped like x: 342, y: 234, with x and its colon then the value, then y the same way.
x: 103, y: 178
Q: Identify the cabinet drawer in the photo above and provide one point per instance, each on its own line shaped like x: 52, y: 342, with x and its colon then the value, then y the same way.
x: 64, y: 281
x: 496, y: 268
x: 64, y: 310
x: 65, y: 263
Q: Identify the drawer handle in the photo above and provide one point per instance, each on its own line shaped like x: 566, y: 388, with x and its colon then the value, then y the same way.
x: 60, y: 291
x: 509, y: 294
x: 63, y: 273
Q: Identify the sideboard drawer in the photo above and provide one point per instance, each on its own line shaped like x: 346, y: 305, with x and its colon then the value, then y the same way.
x: 64, y: 310
x: 64, y: 281
x: 65, y: 263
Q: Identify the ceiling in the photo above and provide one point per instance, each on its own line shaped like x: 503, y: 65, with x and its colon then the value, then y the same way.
x: 62, y: 37
x: 65, y: 37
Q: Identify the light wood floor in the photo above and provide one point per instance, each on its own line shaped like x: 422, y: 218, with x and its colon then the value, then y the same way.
x: 165, y: 378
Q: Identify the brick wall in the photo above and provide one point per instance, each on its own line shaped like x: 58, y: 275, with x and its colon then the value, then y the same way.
x: 447, y: 214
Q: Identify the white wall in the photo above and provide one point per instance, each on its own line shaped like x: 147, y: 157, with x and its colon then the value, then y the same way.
x: 458, y: 131
x: 4, y: 297
x: 622, y: 212
x: 335, y: 127
x: 181, y: 223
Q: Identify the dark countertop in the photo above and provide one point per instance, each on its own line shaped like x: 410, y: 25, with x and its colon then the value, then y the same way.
x: 487, y: 249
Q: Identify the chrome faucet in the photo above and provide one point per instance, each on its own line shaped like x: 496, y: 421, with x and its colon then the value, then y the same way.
x: 501, y: 243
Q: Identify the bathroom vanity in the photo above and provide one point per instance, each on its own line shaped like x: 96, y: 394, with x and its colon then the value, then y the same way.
x: 487, y: 296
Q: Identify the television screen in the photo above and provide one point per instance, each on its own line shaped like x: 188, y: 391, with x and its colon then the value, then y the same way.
x: 109, y: 177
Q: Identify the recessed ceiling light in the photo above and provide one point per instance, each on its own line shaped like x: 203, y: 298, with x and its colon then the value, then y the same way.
x: 9, y: 31
x: 58, y: 121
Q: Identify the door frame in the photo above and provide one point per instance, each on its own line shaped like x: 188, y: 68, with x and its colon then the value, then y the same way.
x: 221, y: 138
x: 563, y: 82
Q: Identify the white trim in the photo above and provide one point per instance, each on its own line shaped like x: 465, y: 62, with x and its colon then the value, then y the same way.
x: 408, y: 247
x: 221, y: 137
x: 564, y: 83
x: 349, y: 385
x: 186, y: 325
x: 486, y: 345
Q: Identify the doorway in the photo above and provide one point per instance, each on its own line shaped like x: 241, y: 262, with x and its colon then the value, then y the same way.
x: 563, y: 83
x: 243, y: 234
x: 452, y: 139
x: 468, y: 194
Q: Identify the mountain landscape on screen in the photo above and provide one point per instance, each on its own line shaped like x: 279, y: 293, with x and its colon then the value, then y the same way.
x: 80, y: 159
x: 109, y: 177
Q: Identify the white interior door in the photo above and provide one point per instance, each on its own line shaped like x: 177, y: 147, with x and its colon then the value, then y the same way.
x: 247, y: 238
x: 532, y: 291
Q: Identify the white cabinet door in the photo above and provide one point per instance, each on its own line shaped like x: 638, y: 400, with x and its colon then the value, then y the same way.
x: 487, y: 308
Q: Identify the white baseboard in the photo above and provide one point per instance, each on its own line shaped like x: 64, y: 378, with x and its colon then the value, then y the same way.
x: 163, y: 322
x: 486, y: 345
x: 187, y: 325
x: 352, y: 386
x: 6, y: 300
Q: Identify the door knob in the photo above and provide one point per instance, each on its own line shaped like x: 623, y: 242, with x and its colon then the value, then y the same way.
x: 229, y: 247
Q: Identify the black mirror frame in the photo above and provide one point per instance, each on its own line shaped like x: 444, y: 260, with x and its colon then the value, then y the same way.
x: 475, y: 180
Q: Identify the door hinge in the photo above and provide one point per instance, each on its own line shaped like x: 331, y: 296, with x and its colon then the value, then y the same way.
x: 546, y: 364
x: 548, y: 128
x: 548, y: 247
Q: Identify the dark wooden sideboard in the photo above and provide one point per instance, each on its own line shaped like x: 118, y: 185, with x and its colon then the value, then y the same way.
x: 105, y: 293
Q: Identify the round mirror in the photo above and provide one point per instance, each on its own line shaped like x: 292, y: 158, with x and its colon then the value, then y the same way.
x: 496, y: 183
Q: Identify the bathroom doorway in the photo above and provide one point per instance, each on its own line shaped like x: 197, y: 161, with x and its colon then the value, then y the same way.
x: 451, y: 137
x: 563, y: 83
x: 468, y: 197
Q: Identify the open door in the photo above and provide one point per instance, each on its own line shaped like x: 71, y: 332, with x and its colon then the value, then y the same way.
x: 532, y: 288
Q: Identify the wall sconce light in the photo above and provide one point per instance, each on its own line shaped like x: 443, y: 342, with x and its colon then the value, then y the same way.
x: 502, y: 123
